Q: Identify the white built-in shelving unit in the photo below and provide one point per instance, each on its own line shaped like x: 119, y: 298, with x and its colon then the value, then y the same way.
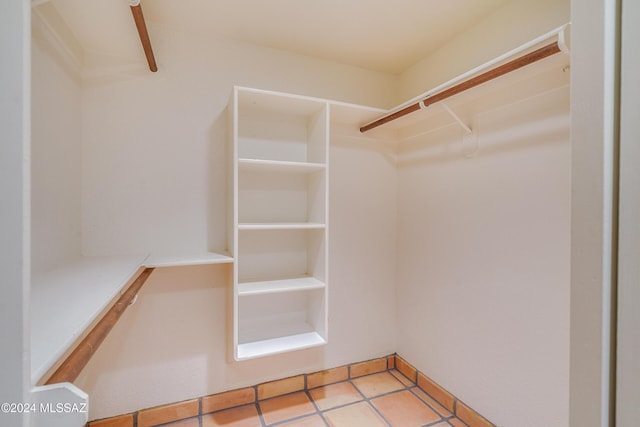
x: 277, y: 235
x: 279, y: 165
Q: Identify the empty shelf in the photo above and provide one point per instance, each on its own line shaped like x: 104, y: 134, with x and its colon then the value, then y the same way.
x: 65, y: 302
x: 279, y: 345
x: 279, y: 166
x: 187, y: 259
x: 284, y: 285
x: 281, y: 226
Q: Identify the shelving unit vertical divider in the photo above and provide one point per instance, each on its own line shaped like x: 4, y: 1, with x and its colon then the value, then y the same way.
x: 278, y: 222
x: 232, y: 219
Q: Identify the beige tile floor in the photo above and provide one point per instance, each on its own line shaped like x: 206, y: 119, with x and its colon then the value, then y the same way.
x: 385, y: 399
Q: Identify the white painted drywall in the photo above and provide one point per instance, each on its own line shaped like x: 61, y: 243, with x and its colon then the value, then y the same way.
x: 55, y: 160
x: 593, y: 129
x: 628, y: 369
x: 14, y: 207
x: 483, y: 261
x: 514, y: 23
x: 483, y: 242
x: 154, y: 179
x: 153, y: 144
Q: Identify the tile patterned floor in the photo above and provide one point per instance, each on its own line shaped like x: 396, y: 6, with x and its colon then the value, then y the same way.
x: 387, y: 391
x: 385, y: 399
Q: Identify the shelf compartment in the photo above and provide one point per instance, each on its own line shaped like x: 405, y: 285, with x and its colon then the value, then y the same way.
x: 283, y: 321
x: 268, y: 254
x: 276, y: 197
x: 279, y: 166
x: 280, y: 127
x: 262, y: 348
x: 303, y: 283
x: 281, y: 226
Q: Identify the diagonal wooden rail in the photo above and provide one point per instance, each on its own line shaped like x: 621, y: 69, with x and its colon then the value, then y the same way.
x: 138, y: 17
x: 501, y: 70
x: 69, y: 370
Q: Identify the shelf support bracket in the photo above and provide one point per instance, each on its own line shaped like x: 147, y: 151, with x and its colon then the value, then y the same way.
x: 457, y: 118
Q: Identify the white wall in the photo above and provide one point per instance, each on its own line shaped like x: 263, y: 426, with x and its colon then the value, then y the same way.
x: 593, y: 126
x: 628, y: 370
x: 14, y: 208
x: 55, y: 161
x: 153, y: 179
x: 483, y: 242
x: 164, y: 134
x: 483, y: 262
x: 511, y: 25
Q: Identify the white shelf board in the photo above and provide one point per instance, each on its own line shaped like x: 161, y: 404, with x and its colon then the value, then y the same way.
x: 283, y: 285
x: 65, y: 302
x: 285, y: 103
x: 200, y: 258
x: 279, y: 166
x: 255, y: 349
x: 281, y: 226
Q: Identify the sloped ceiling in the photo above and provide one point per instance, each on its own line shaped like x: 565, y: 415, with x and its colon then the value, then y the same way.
x: 382, y: 35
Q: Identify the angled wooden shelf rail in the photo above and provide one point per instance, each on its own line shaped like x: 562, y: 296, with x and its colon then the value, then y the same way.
x: 76, y: 305
x: 71, y: 367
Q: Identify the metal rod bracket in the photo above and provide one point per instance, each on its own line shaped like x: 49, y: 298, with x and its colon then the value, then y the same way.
x: 457, y: 118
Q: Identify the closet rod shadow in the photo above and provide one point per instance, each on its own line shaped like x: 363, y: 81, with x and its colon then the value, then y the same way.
x: 501, y: 70
x: 80, y: 356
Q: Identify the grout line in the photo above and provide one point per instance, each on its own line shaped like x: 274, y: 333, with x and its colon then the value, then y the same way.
x: 327, y: 385
x: 344, y: 405
x: 299, y: 417
x: 170, y: 423
x: 395, y: 357
x: 415, y: 383
x: 378, y: 412
x: 318, y: 411
x: 427, y: 403
x: 288, y: 420
x: 410, y: 388
x: 259, y: 411
x: 371, y: 405
x: 324, y: 420
x: 363, y: 400
x: 313, y: 402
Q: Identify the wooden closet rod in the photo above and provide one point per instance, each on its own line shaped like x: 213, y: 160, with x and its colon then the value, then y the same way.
x: 501, y: 70
x: 138, y: 17
x: 80, y: 356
